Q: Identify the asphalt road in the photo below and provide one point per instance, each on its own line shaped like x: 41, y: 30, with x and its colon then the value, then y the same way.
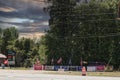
x: 38, y: 75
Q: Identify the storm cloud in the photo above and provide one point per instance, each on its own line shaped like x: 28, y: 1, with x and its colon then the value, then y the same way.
x: 26, y: 15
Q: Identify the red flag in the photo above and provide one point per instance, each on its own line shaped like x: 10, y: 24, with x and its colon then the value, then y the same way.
x: 6, y: 62
x: 81, y: 62
x: 59, y: 61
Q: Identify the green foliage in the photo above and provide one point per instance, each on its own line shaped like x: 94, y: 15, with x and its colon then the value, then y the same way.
x: 86, y: 30
x: 42, y: 50
x: 57, y: 44
x: 7, y: 38
x: 27, y: 51
x: 99, y: 30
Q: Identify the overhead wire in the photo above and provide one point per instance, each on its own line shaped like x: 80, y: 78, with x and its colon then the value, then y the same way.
x: 81, y: 15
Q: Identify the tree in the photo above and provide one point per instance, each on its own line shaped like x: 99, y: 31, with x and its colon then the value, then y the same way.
x: 57, y: 44
x: 8, y: 37
x: 98, y: 30
x: 42, y: 50
x: 87, y: 30
x: 14, y: 33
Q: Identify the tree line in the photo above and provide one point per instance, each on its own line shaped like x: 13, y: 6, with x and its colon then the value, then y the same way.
x: 88, y: 31
x: 26, y: 50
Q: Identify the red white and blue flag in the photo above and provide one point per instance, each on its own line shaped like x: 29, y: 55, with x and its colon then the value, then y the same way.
x: 59, y: 60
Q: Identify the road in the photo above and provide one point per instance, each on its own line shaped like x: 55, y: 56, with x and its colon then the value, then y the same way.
x: 38, y: 75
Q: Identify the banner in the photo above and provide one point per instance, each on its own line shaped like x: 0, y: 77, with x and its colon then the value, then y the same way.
x: 91, y: 68
x: 66, y: 68
x: 11, y: 62
x: 39, y: 67
x: 73, y: 68
x: 56, y: 68
x: 79, y: 68
x: 49, y: 67
x: 100, y: 68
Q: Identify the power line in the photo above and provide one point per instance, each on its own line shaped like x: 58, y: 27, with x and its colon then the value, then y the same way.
x: 81, y: 16
x: 89, y: 36
x: 84, y: 14
x: 69, y: 22
x: 85, y: 36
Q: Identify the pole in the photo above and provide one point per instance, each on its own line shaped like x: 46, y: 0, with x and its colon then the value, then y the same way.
x: 109, y: 62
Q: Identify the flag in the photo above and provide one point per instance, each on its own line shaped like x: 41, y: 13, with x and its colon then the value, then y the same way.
x: 70, y: 62
x: 6, y: 62
x: 81, y: 62
x: 59, y: 60
x: 52, y: 61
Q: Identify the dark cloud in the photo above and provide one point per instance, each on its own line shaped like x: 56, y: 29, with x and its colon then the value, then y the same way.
x: 27, y: 15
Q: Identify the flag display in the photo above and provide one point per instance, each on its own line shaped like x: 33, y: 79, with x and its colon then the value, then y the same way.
x: 59, y: 61
x: 70, y: 62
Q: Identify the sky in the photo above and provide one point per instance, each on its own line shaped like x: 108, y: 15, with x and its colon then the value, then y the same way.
x: 26, y: 15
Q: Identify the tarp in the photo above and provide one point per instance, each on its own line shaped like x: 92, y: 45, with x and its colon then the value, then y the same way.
x: 2, y: 56
x: 100, y: 68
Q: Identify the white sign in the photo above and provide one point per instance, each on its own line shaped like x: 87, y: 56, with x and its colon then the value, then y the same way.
x: 91, y: 68
x: 49, y: 67
x: 11, y: 62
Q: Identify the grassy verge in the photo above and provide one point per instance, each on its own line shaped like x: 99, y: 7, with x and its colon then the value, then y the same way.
x: 16, y: 68
x: 110, y: 74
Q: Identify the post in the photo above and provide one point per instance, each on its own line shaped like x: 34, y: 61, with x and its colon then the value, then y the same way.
x: 83, y: 71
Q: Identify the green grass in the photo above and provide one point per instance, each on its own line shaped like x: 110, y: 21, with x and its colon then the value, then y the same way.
x: 110, y: 74
x: 16, y: 68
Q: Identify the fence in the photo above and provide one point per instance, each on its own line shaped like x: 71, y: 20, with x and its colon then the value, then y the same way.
x: 69, y: 68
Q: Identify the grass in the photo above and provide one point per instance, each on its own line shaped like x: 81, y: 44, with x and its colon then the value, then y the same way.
x: 16, y: 68
x: 110, y: 74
